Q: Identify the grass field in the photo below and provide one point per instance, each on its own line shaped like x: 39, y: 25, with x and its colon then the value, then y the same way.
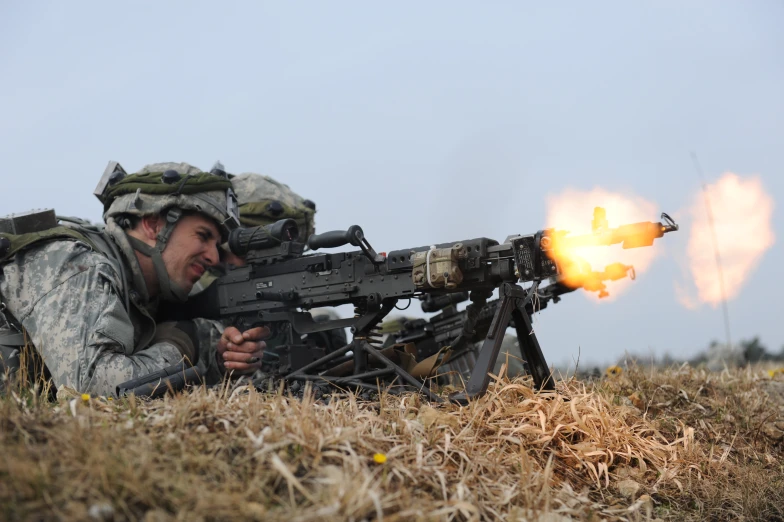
x: 675, y: 444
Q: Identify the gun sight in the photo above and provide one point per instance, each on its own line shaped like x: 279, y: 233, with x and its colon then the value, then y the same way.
x: 245, y: 240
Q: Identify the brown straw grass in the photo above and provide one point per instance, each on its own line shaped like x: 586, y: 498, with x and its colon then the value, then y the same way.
x: 676, y: 444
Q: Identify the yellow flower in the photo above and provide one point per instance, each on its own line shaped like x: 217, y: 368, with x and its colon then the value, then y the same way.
x: 109, y: 399
x: 379, y: 458
x: 773, y: 373
x: 85, y: 397
x: 613, y: 371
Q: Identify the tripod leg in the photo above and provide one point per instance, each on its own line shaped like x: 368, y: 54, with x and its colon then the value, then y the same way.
x: 360, y: 362
x: 315, y: 364
x: 480, y: 375
x: 532, y: 352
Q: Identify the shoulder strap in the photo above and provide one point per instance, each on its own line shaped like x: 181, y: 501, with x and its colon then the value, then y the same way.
x: 93, y: 237
x: 21, y: 242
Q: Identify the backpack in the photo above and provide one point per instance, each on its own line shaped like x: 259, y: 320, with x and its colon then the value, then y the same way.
x: 17, y: 234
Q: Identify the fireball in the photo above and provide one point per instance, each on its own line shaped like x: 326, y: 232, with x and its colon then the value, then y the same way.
x: 742, y: 213
x: 574, y: 244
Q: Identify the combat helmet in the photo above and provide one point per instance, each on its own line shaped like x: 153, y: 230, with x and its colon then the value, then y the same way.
x: 264, y: 200
x: 168, y: 189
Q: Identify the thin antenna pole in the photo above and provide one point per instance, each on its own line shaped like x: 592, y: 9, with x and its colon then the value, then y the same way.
x: 716, y: 253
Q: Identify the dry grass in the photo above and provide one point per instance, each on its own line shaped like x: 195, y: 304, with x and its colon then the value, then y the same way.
x: 677, y: 444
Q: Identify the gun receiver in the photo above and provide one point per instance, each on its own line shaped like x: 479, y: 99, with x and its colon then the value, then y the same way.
x: 280, y: 284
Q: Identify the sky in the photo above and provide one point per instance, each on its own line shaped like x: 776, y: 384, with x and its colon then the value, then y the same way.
x: 423, y: 123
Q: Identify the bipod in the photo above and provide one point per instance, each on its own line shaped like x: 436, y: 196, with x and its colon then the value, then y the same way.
x: 511, y: 307
x: 361, y: 350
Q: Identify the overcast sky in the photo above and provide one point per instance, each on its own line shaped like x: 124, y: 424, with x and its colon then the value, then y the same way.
x: 421, y: 121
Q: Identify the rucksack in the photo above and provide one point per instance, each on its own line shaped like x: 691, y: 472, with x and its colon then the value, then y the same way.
x: 18, y: 233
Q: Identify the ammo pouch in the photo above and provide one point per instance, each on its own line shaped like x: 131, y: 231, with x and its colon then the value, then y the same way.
x: 438, y: 267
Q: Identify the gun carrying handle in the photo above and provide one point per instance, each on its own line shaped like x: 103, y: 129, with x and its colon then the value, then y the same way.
x: 336, y: 238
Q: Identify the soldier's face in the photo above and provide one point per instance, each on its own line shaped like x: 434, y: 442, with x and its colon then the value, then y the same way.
x: 191, y: 249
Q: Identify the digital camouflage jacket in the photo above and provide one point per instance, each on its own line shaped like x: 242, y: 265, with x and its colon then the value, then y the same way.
x: 71, y: 301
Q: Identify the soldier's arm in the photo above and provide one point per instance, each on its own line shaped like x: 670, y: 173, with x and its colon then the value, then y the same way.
x: 220, y: 348
x: 199, y: 339
x: 86, y: 337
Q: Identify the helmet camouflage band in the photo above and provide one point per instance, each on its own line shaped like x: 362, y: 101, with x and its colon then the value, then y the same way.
x: 264, y: 200
x: 161, y: 186
x: 167, y: 189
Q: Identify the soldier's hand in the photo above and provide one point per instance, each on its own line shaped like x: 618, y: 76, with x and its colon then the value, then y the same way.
x: 240, y: 352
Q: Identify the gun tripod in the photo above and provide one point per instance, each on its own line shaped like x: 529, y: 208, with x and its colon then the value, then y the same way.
x: 511, y: 308
x: 361, y: 350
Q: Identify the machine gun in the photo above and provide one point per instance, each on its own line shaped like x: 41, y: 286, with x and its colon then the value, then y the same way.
x: 279, y: 283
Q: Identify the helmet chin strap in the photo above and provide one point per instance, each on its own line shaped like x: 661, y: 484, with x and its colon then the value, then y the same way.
x: 169, y: 290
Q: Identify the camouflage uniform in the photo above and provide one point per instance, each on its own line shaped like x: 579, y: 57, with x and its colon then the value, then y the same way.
x: 71, y: 301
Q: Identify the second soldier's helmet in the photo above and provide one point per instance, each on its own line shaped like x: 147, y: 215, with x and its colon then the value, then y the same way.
x: 264, y: 200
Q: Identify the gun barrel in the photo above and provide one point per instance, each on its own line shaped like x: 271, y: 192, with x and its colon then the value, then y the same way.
x: 634, y: 235
x: 157, y: 383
